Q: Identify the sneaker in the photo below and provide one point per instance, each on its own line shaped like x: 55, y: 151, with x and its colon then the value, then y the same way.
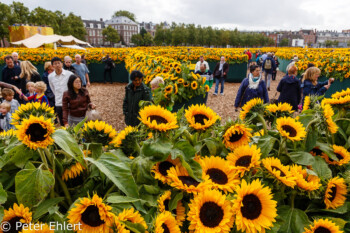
x: 222, y: 94
x: 215, y: 93
x: 268, y: 89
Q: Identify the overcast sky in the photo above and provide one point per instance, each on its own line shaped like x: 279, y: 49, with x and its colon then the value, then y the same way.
x: 243, y: 14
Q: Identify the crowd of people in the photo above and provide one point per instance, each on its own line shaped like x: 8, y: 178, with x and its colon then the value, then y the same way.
x: 63, y: 85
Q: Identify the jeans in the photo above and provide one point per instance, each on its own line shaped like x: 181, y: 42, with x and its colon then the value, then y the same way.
x: 217, y: 81
x: 267, y: 79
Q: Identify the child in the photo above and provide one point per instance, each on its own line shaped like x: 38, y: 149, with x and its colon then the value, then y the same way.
x: 5, y: 116
x: 30, y: 88
x: 8, y: 95
x: 39, y: 94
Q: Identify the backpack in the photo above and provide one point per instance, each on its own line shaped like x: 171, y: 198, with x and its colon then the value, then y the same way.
x: 267, y: 65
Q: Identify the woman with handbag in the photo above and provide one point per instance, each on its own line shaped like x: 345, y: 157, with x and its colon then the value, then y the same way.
x: 251, y: 87
x: 220, y: 74
x: 75, y: 102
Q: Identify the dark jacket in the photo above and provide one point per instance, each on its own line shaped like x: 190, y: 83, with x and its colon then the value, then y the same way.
x: 9, y: 74
x: 71, y: 68
x: 224, y: 70
x: 310, y: 89
x: 108, y: 63
x: 290, y: 91
x: 131, y: 102
x: 245, y: 93
x: 273, y: 65
x: 23, y: 81
x: 75, y: 107
x: 49, y: 94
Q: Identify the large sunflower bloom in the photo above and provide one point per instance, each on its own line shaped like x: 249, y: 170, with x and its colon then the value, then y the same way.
x: 210, y: 212
x: 237, y: 135
x: 179, y: 211
x: 245, y: 158
x: 129, y: 215
x: 161, y: 169
x: 305, y: 181
x: 200, y: 117
x: 323, y: 226
x: 99, y: 132
x: 180, y: 179
x: 279, y: 171
x: 14, y: 216
x: 166, y: 223
x: 290, y: 128
x: 335, y: 195
x: 254, y: 207
x: 36, y: 132
x: 157, y: 118
x: 118, y: 140
x: 92, y: 214
x: 249, y: 106
x: 35, y: 109
x: 342, y: 154
x: 72, y: 171
x: 220, y: 172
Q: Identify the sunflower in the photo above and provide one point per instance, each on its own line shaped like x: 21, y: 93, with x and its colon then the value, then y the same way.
x: 186, y: 84
x: 254, y: 207
x: 161, y: 169
x: 36, y: 132
x: 98, y: 132
x: 207, y: 88
x: 323, y: 226
x: 304, y: 180
x: 180, y: 81
x: 290, y: 128
x: 307, y: 102
x: 7, y: 134
x: 166, y: 223
x: 328, y: 114
x: 220, y: 172
x: 342, y: 154
x: 251, y: 105
x: 194, y: 85
x: 14, y: 216
x: 316, y: 152
x: 210, y: 212
x: 92, y: 215
x: 129, y: 215
x: 34, y: 108
x: 201, y: 117
x: 158, y: 118
x: 280, y: 108
x: 341, y: 93
x: 180, y: 179
x: 43, y: 228
x: 178, y: 70
x: 72, y: 171
x: 335, y: 195
x: 168, y: 89
x: 163, y: 205
x: 237, y: 135
x: 194, y: 76
x: 118, y: 140
x: 244, y: 158
x: 279, y: 171
x: 176, y: 89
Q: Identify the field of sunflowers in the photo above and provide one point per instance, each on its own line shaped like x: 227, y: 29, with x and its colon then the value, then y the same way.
x: 268, y: 171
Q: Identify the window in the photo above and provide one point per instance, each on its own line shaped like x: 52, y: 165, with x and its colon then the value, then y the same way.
x: 93, y: 32
x: 91, y: 25
x: 98, y: 25
x: 90, y: 32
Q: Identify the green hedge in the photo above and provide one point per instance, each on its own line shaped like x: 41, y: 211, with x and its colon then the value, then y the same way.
x: 236, y: 73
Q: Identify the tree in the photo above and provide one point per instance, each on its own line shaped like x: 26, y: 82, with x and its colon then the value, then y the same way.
x: 137, y: 39
x: 284, y: 42
x: 191, y: 34
x: 143, y: 32
x: 73, y: 25
x: 5, y: 16
x: 126, y: 14
x: 147, y: 39
x: 111, y: 35
x: 178, y: 35
x: 328, y: 43
x: 159, y: 36
x: 19, y: 12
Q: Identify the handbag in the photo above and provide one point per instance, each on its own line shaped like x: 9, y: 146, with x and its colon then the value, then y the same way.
x: 93, y: 115
x: 274, y: 99
x: 218, y: 73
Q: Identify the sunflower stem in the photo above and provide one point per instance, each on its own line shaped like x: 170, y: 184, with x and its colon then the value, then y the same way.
x: 263, y: 122
x: 43, y: 158
x: 65, y: 189
x: 292, y: 198
x: 53, y: 165
x: 188, y: 136
x: 111, y: 189
x: 282, y: 145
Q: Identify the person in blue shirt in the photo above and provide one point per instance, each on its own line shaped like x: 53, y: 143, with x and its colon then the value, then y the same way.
x: 311, y: 85
x: 81, y: 70
x: 251, y: 87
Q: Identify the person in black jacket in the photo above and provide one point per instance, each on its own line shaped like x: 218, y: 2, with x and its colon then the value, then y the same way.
x: 290, y: 89
x: 11, y: 72
x: 68, y: 64
x: 220, y: 74
x: 268, y: 66
x: 108, y: 68
x: 48, y: 69
x: 134, y: 93
x: 274, y: 74
x: 28, y: 73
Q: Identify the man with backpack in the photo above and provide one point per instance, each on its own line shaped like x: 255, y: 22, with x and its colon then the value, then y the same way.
x: 268, y: 66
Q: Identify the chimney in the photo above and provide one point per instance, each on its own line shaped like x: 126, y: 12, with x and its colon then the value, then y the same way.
x: 101, y: 19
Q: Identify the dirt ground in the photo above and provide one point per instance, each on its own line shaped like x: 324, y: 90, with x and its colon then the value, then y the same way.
x: 109, y: 100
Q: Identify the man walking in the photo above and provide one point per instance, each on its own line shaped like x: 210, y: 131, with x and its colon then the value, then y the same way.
x: 81, y: 70
x: 269, y: 66
x: 220, y: 74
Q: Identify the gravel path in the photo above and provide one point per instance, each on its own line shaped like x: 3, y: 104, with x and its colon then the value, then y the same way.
x: 109, y: 101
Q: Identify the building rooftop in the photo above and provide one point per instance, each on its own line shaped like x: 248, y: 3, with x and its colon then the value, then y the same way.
x: 120, y: 20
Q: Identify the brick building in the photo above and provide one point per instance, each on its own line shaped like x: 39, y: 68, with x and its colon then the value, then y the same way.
x: 94, y: 30
x: 149, y: 27
x: 125, y: 27
x: 309, y: 36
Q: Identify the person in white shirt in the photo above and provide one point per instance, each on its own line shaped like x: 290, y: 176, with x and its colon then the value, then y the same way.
x: 58, y: 80
x: 199, y: 63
